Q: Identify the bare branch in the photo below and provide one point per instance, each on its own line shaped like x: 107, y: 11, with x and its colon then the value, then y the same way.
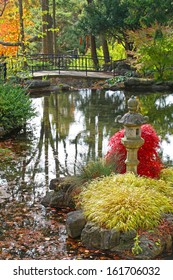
x: 34, y: 39
x: 3, y: 3
x: 16, y: 44
x: 10, y: 44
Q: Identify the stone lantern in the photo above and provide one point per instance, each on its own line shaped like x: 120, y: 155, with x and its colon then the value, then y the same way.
x: 132, y: 140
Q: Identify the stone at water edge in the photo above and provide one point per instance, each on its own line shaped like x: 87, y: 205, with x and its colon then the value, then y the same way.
x: 75, y: 223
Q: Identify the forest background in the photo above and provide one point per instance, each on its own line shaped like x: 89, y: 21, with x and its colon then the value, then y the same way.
x: 96, y: 27
x: 117, y: 28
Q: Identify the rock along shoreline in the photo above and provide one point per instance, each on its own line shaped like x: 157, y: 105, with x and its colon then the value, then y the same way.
x: 149, y: 244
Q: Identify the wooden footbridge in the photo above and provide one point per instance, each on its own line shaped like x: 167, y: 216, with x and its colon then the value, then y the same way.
x: 39, y: 65
x: 70, y: 73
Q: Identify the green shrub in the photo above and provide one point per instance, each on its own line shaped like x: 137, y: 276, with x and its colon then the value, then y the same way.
x: 15, y: 107
x: 126, y: 202
x: 158, y: 58
x: 95, y: 169
x: 116, y: 51
x: 154, y: 50
x: 6, y: 154
x: 117, y: 79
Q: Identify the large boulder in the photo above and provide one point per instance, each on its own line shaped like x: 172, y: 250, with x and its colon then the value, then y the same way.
x: 75, y: 223
x: 37, y: 83
x: 146, y: 246
x: 141, y: 84
x: 123, y: 68
x: 99, y: 238
x: 54, y: 199
x: 91, y: 237
x: 62, y: 193
x: 151, y: 246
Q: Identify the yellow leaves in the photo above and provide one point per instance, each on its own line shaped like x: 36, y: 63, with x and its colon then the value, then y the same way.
x: 10, y: 27
x: 126, y: 202
x: 167, y: 175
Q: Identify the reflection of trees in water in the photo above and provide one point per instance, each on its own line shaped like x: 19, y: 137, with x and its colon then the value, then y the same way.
x: 100, y: 109
x: 38, y: 153
x: 160, y: 112
x: 57, y: 116
x: 159, y: 108
x: 97, y: 110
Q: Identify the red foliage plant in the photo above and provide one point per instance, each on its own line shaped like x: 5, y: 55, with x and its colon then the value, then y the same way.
x: 150, y: 163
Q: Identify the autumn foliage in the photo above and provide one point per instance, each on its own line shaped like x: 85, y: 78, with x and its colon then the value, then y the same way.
x: 150, y: 164
x: 9, y: 29
x: 10, y: 26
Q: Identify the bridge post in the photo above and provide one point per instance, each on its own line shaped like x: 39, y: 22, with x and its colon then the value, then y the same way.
x: 5, y: 70
x: 86, y: 65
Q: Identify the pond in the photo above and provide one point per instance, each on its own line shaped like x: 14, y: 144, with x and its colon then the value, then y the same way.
x: 70, y: 129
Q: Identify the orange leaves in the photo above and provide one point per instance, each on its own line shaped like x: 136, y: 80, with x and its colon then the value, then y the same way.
x: 10, y: 27
x: 28, y: 233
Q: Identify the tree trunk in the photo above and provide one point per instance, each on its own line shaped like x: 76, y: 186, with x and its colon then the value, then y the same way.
x: 94, y: 51
x: 54, y: 27
x: 22, y: 32
x: 105, y: 49
x: 46, y: 26
x: 93, y: 46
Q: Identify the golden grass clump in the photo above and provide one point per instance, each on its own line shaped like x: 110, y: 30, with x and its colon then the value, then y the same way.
x: 125, y: 201
x: 166, y: 174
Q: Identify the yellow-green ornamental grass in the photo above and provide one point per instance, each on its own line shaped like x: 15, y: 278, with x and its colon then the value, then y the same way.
x: 126, y: 201
x: 167, y: 175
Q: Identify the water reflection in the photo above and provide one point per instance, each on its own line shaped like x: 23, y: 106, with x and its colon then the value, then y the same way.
x: 74, y: 127
x: 70, y: 129
x: 159, y: 108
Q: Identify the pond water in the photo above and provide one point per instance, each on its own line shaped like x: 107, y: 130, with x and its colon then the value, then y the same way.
x: 70, y: 129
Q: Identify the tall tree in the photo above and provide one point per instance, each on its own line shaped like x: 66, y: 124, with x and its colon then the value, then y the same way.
x: 93, y: 44
x: 54, y: 27
x: 147, y: 12
x: 68, y: 35
x: 104, y: 18
x: 22, y: 31
x: 105, y: 49
x: 47, y: 28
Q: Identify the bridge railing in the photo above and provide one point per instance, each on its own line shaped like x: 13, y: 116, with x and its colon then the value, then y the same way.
x: 50, y: 62
x: 65, y: 63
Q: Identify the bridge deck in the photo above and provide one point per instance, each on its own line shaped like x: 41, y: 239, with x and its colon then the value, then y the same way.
x: 98, y: 75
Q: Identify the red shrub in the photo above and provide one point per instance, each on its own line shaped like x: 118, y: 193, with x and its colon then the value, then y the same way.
x: 149, y: 165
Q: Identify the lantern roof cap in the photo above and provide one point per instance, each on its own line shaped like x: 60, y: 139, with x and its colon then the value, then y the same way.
x: 133, y: 104
x: 132, y: 118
